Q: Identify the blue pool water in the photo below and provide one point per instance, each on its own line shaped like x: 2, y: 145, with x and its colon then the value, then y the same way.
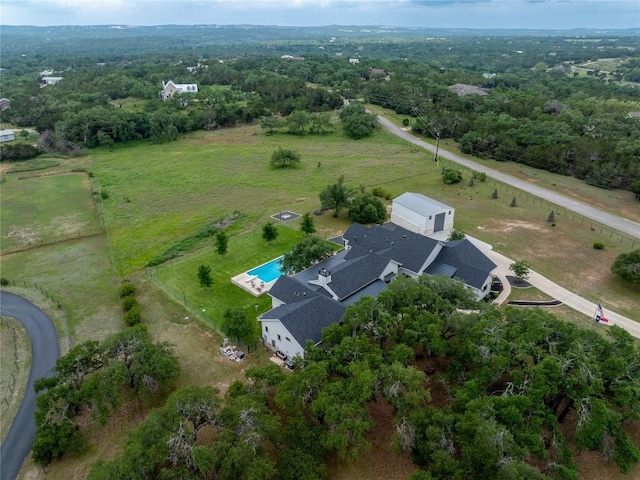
x: 269, y: 271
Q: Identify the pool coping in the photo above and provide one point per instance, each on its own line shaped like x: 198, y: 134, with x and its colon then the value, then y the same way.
x: 251, y: 283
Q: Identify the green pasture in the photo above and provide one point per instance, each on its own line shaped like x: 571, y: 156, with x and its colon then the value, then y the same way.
x: 44, y: 209
x: 246, y: 251
x: 158, y: 194
x: 79, y: 276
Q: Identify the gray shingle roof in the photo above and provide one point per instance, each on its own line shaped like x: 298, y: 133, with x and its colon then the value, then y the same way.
x: 471, y: 265
x: 306, y: 318
x: 356, y: 274
x: 407, y: 248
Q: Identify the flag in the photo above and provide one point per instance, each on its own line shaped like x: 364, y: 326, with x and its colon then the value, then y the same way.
x: 599, y: 315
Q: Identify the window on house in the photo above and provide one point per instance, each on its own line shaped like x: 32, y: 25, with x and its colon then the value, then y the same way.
x: 266, y: 329
x: 449, y: 212
x: 430, y: 217
x: 279, y: 337
x: 287, y: 339
x: 484, y: 288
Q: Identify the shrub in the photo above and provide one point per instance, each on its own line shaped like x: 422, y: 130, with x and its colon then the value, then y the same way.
x: 104, y: 194
x: 482, y: 176
x: 127, y: 289
x: 4, y: 281
x: 598, y: 245
x: 133, y: 316
x: 381, y: 192
x: 451, y: 176
x: 129, y: 302
x: 406, y: 122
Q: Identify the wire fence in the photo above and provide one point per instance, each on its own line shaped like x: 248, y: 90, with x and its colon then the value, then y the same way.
x: 198, y: 311
x: 28, y: 245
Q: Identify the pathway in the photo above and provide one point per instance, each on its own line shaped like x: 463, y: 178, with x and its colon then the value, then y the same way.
x: 615, y: 222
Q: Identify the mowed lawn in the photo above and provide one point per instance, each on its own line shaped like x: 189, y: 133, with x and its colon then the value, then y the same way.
x: 179, y: 277
x: 159, y: 194
x: 46, y: 209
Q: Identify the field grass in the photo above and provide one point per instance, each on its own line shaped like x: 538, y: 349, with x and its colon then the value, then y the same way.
x: 247, y: 250
x: 38, y: 210
x: 15, y: 363
x: 78, y: 274
x: 175, y: 189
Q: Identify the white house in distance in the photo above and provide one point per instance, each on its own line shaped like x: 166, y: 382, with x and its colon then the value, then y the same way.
x: 169, y: 89
x: 51, y: 80
x: 7, y: 136
x: 421, y: 214
x: 303, y: 304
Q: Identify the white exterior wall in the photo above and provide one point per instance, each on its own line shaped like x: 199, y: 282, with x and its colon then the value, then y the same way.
x: 410, y: 220
x: 290, y: 347
x: 486, y: 288
x: 418, y: 222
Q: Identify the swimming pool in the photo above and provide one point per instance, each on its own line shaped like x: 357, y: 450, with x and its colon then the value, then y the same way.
x: 268, y: 271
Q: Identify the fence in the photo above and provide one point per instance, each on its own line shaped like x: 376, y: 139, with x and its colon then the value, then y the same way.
x: 181, y: 297
x: 49, y: 295
x: 504, y: 189
x: 51, y: 241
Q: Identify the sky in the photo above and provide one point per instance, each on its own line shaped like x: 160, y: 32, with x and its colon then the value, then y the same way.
x: 528, y: 14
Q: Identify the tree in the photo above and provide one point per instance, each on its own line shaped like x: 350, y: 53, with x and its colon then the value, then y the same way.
x: 336, y: 196
x: 204, y: 276
x: 367, y: 208
x: 283, y: 158
x: 627, y: 266
x: 222, y: 241
x: 270, y: 123
x: 356, y: 122
x: 306, y: 253
x: 307, y: 226
x: 635, y: 188
x: 236, y: 324
x: 297, y: 121
x: 269, y: 232
x: 456, y: 235
x: 520, y: 269
x: 552, y: 216
x: 494, y: 194
x: 513, y: 201
x: 451, y: 176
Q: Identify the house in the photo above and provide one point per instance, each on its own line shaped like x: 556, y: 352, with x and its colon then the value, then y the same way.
x: 378, y: 73
x: 462, y: 89
x: 169, y: 89
x: 7, y: 136
x: 5, y: 103
x: 421, y: 214
x: 304, y: 304
x: 354, y: 61
x: 51, y: 80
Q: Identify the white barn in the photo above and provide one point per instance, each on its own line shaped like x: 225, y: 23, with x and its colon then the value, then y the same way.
x: 51, y: 80
x: 169, y: 89
x: 421, y: 214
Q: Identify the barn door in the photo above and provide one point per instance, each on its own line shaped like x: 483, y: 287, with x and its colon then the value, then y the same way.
x: 439, y: 224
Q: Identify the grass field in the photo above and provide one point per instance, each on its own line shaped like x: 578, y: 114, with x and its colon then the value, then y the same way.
x: 78, y: 274
x: 43, y: 209
x: 174, y: 189
x: 15, y: 363
x: 248, y: 250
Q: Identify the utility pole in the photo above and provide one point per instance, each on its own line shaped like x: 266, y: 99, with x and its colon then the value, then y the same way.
x: 437, y: 147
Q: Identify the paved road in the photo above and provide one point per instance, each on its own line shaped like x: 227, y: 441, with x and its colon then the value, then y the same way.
x: 620, y: 224
x: 44, y: 351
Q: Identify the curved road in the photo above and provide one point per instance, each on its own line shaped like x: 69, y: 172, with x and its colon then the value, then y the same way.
x: 44, y: 352
x: 620, y: 224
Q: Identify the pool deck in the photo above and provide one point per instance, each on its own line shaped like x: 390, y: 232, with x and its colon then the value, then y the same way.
x: 252, y: 284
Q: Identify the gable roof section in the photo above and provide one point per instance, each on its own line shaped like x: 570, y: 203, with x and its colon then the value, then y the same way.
x: 409, y: 249
x: 355, y: 274
x: 421, y: 204
x: 470, y: 264
x: 290, y: 290
x: 306, y: 318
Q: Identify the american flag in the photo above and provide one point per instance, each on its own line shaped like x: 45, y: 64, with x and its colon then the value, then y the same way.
x: 599, y: 315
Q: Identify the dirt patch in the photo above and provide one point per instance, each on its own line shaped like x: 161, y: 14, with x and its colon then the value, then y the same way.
x: 381, y: 461
x: 512, y: 225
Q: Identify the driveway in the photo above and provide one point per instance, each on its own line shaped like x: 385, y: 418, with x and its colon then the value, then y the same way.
x: 44, y: 352
x: 615, y: 222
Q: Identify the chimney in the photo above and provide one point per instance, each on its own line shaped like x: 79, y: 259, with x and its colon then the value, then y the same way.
x: 324, y: 277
